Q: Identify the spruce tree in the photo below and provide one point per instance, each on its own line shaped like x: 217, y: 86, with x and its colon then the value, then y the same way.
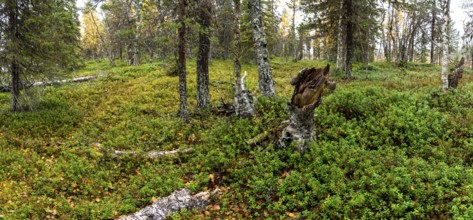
x: 40, y: 39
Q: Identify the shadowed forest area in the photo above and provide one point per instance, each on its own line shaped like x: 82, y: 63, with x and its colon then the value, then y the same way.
x: 229, y: 109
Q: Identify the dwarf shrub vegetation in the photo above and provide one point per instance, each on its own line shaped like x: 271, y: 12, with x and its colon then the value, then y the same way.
x: 389, y: 144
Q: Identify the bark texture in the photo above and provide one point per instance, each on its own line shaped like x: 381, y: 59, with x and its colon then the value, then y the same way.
x: 136, y: 45
x: 12, y: 10
x: 309, y: 85
x: 182, y: 199
x: 243, y: 100
x: 432, y: 32
x: 445, y: 43
x: 204, y: 19
x: 456, y: 74
x: 183, y: 112
x: 341, y: 52
x: 265, y: 75
x: 350, y: 44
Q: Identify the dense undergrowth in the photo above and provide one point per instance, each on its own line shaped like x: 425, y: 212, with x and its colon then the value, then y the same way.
x: 389, y: 145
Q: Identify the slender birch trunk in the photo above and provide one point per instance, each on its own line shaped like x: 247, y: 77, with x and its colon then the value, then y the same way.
x: 445, y: 43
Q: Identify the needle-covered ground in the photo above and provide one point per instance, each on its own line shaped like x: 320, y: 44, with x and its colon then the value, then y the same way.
x: 389, y: 144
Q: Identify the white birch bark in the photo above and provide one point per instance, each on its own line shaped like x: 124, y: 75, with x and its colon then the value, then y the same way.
x: 445, y: 43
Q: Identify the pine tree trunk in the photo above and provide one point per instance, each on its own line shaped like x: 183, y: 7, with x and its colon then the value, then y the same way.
x: 432, y: 33
x: 205, y: 16
x: 265, y: 75
x: 15, y: 73
x: 183, y: 112
x: 293, y: 27
x: 349, y: 37
x: 136, y: 47
x: 12, y: 10
x: 445, y: 43
x: 341, y: 52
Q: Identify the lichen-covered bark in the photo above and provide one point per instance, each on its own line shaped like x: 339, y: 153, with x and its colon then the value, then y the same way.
x: 182, y: 199
x: 445, y: 43
x: 183, y: 112
x: 265, y: 75
x: 456, y: 74
x: 204, y: 19
x: 301, y: 128
x: 243, y: 100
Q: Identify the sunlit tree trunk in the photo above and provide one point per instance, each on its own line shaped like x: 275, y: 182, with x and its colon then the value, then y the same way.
x: 445, y: 43
x: 265, y: 75
x: 136, y: 41
x: 341, y: 52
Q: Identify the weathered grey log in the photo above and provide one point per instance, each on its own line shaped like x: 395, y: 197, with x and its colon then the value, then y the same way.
x: 309, y: 86
x: 181, y: 199
x: 243, y: 100
x: 456, y: 74
x: 6, y: 88
x: 151, y: 154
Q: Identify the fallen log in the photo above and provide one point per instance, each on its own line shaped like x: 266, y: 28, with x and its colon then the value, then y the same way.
x: 151, y: 154
x: 7, y: 88
x: 181, y: 199
x: 309, y: 86
x: 456, y: 74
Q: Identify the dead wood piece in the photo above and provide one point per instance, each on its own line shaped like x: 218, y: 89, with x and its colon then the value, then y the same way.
x: 243, y: 100
x: 6, y: 88
x: 181, y: 199
x: 456, y: 74
x: 258, y: 139
x: 309, y: 86
x: 151, y: 154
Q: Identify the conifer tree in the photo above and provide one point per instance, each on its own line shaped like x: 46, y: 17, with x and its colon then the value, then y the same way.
x: 39, y: 40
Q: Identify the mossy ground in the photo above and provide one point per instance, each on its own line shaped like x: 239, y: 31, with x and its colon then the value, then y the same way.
x: 389, y: 145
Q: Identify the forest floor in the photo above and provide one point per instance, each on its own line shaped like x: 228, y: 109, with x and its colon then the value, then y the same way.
x: 389, y: 144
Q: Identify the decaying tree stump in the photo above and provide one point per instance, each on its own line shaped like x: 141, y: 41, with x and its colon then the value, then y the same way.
x: 309, y: 86
x: 456, y: 74
x: 243, y: 100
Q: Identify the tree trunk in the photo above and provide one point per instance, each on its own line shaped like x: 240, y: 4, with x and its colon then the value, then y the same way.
x: 341, y: 52
x: 349, y: 37
x: 309, y: 85
x: 432, y: 33
x: 243, y: 100
x: 12, y: 10
x: 136, y: 41
x: 205, y: 17
x: 183, y: 112
x: 293, y: 30
x: 445, y: 43
x: 265, y: 75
